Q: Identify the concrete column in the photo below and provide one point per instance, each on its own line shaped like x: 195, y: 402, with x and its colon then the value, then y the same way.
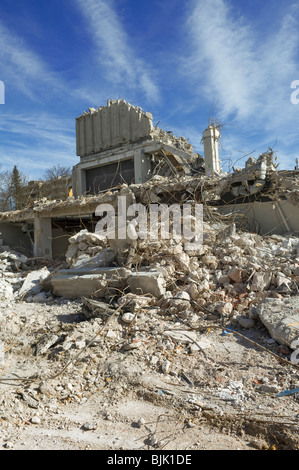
x: 43, y: 237
x: 211, y: 137
x: 78, y: 181
x: 142, y: 166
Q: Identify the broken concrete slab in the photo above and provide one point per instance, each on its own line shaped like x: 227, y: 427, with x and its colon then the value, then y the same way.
x: 102, y: 259
x: 95, y: 309
x: 182, y: 336
x: 151, y: 283
x: 71, y: 284
x: 281, y: 318
x: 33, y: 282
x: 85, y: 285
x: 45, y: 343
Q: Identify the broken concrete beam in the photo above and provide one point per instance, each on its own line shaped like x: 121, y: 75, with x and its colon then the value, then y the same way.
x: 95, y: 309
x: 151, y: 283
x: 73, y: 287
x: 71, y: 284
x: 102, y: 259
x: 281, y: 318
x: 33, y: 282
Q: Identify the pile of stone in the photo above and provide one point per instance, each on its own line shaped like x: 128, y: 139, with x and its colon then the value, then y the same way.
x: 170, y: 139
x: 229, y: 272
x: 228, y: 265
x: 11, y: 266
x: 228, y: 276
x: 85, y: 247
x: 10, y: 260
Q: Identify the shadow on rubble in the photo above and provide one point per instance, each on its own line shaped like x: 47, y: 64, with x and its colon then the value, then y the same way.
x: 70, y: 318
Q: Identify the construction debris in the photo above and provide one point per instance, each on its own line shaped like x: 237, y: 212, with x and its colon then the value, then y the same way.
x: 205, y: 337
x: 281, y: 318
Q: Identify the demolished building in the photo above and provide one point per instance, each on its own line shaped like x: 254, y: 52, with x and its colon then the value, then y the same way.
x: 119, y: 147
x: 165, y: 303
x: 123, y: 154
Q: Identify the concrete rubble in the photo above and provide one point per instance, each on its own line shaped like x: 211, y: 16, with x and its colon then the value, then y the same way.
x: 207, y: 337
x: 281, y: 318
x: 169, y: 320
x: 229, y: 276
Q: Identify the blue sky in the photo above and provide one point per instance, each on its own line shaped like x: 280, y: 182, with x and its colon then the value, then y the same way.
x: 182, y: 60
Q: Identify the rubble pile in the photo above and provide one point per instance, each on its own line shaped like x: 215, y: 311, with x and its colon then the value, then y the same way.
x: 172, y: 346
x: 228, y: 274
x: 84, y: 245
x: 92, y: 356
x: 207, y: 334
x: 10, y: 260
x: 169, y: 138
x: 11, y: 266
x: 227, y: 277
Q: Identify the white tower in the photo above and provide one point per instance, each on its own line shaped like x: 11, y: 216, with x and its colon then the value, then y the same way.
x: 210, y: 139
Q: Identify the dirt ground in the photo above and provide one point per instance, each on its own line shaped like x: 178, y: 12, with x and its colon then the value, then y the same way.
x: 137, y: 386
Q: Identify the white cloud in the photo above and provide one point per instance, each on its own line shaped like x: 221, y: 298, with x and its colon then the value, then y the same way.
x: 36, y: 142
x: 246, y: 71
x: 25, y: 71
x: 114, y: 48
x: 21, y: 67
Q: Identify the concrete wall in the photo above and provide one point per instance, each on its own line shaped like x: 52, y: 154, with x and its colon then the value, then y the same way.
x: 110, y: 126
x: 58, y: 189
x: 60, y: 243
x: 266, y: 217
x: 14, y: 237
x: 136, y: 153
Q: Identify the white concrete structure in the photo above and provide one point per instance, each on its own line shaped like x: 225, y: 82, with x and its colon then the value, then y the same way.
x: 116, y: 144
x: 211, y: 138
x: 42, y: 237
x: 110, y: 126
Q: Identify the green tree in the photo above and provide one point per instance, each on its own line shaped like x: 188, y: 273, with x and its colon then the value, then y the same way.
x: 16, y: 189
x: 12, y: 185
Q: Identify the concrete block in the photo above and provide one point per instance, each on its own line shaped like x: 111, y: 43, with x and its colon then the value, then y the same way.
x: 281, y: 318
x: 73, y: 284
x: 147, y: 283
x: 33, y: 282
x: 74, y: 287
x: 103, y: 259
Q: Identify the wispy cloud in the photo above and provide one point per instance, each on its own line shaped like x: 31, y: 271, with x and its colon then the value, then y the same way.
x: 115, y: 50
x: 23, y: 68
x: 36, y: 142
x: 246, y: 71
